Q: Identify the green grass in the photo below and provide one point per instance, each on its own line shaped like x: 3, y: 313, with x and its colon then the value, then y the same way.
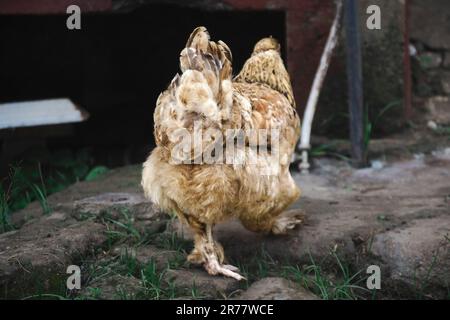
x: 5, y: 224
x: 153, y: 283
x: 195, y: 293
x: 442, y: 131
x: 45, y: 296
x: 177, y: 261
x: 41, y: 196
x: 130, y: 264
x: 121, y: 230
x: 342, y: 285
x: 330, y: 279
x: 327, y: 149
x: 172, y: 241
x: 152, y: 280
x: 122, y: 294
x: 34, y: 179
x: 422, y: 284
x: 369, y: 126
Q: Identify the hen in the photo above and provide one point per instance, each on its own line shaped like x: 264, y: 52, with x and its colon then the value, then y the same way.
x: 236, y: 171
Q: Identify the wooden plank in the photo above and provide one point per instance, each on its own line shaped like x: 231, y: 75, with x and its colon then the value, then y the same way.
x: 38, y: 113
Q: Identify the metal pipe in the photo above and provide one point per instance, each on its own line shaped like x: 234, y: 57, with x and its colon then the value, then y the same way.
x: 319, y: 78
x: 355, y: 83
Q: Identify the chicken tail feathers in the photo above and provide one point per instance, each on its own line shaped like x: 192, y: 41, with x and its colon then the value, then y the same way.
x: 204, y: 87
x: 202, y: 93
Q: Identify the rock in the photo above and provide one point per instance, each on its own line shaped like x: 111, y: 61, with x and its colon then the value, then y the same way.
x: 419, y: 253
x: 430, y: 23
x: 35, y: 258
x: 445, y: 82
x: 206, y: 285
x: 121, y: 180
x: 432, y: 125
x: 395, y: 216
x: 377, y: 164
x: 119, y: 206
x: 442, y: 154
x: 438, y: 109
x: 342, y: 204
x: 430, y: 60
x: 114, y: 288
x: 108, y: 201
x: 276, y: 289
x: 446, y: 63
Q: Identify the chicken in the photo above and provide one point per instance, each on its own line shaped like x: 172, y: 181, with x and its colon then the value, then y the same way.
x: 215, y: 177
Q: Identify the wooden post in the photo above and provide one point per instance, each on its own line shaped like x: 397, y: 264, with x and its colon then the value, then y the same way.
x: 355, y: 83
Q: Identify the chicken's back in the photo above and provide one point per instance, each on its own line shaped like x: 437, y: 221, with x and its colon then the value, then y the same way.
x: 258, y: 99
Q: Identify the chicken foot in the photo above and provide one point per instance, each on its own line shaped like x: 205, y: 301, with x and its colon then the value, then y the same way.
x: 212, y: 252
x: 208, y: 252
x: 278, y: 225
x: 287, y: 221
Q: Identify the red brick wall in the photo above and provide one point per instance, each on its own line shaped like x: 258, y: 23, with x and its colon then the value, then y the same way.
x: 51, y: 6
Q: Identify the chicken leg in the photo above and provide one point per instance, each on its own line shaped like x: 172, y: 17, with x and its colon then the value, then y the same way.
x: 212, y: 251
x: 208, y: 252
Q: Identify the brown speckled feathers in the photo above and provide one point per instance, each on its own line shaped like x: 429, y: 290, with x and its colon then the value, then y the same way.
x: 204, y: 194
x: 260, y: 97
x: 266, y: 66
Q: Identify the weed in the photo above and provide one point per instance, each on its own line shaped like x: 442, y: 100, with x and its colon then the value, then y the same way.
x: 95, y: 173
x: 130, y: 263
x: 171, y: 292
x: 369, y: 126
x: 194, y: 291
x: 118, y: 230
x: 442, y: 131
x: 422, y: 284
x: 172, y: 241
x: 41, y: 197
x: 5, y: 224
x: 94, y: 293
x: 177, y: 261
x: 45, y: 296
x: 29, y: 180
x: 124, y: 295
x: 152, y: 280
x: 326, y: 149
x: 316, y: 279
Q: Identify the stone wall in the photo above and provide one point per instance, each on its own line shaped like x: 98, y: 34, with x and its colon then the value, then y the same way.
x: 430, y: 37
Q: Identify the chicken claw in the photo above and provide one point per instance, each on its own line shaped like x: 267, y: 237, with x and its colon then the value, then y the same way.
x: 214, y: 268
x: 230, y: 267
x: 213, y: 256
x: 287, y: 222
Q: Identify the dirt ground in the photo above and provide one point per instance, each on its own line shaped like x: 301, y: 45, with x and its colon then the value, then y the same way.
x: 394, y: 214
